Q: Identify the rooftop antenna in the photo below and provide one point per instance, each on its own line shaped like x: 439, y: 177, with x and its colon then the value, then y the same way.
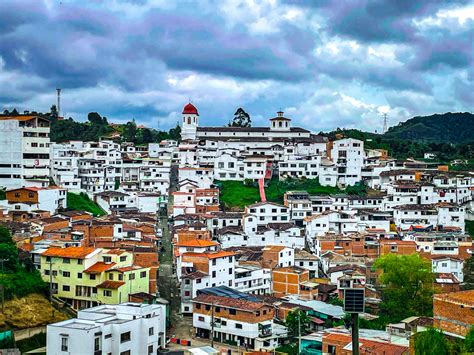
x: 58, y: 90
x: 384, y: 123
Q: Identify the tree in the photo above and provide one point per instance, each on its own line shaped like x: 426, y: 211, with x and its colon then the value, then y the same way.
x: 430, y: 342
x: 407, y: 286
x: 468, y: 271
x: 469, y: 341
x: 175, y: 133
x: 94, y: 118
x: 291, y: 323
x: 130, y: 131
x: 53, y: 112
x: 241, y: 119
x: 5, y: 236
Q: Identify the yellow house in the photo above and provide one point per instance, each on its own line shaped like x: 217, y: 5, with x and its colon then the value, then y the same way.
x: 85, y: 277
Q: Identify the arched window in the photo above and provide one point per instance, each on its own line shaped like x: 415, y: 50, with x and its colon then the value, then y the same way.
x: 189, y: 120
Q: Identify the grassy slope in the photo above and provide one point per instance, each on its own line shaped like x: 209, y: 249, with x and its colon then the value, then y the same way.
x: 237, y: 194
x: 81, y: 202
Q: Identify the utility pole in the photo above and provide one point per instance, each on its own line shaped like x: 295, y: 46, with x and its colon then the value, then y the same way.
x: 299, y: 331
x: 355, y: 333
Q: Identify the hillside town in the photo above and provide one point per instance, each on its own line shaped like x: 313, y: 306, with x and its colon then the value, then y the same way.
x: 142, y: 250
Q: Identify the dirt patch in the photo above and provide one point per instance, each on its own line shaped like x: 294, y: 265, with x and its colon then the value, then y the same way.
x: 31, y: 311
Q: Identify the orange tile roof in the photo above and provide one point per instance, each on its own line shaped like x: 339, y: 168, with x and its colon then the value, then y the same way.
x: 462, y: 297
x: 98, y: 267
x: 115, y: 252
x: 127, y: 268
x: 111, y: 284
x: 367, y: 345
x: 197, y: 243
x: 18, y: 118
x: 70, y: 252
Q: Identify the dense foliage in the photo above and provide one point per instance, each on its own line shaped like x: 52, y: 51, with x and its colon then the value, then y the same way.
x: 468, y: 271
x: 18, y: 277
x: 407, y: 286
x: 82, y: 202
x: 433, y: 341
x: 447, y: 128
x: 297, y: 323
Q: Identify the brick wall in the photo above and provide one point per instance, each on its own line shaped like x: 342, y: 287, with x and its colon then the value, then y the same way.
x: 453, y: 316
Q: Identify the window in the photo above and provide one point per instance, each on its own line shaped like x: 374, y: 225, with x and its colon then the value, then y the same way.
x: 79, y: 275
x: 92, y: 276
x: 79, y: 261
x: 232, y: 311
x: 198, y: 306
x: 131, y: 277
x: 66, y: 274
x: 64, y: 343
x: 238, y: 325
x: 126, y: 352
x: 201, y: 318
x: 123, y: 258
x: 230, y: 271
x: 111, y: 276
x: 124, y: 337
x: 97, y: 346
x: 66, y: 288
x: 150, y: 349
x: 143, y: 274
x: 66, y: 261
x: 108, y: 336
x: 151, y: 331
x: 107, y: 259
x: 107, y: 293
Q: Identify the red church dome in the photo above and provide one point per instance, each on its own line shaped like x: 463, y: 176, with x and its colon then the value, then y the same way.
x: 190, y: 109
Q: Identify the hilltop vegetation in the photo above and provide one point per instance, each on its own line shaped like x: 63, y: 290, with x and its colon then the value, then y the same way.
x: 97, y: 127
x: 450, y: 136
x: 449, y: 127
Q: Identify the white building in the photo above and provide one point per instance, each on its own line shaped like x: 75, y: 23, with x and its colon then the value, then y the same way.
x: 29, y: 199
x: 348, y: 154
x: 127, y: 328
x: 448, y: 265
x: 24, y: 143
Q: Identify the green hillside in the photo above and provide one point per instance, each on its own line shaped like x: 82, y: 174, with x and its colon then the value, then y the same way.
x: 449, y: 127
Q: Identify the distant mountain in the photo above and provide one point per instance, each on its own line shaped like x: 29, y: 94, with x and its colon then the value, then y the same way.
x: 448, y: 127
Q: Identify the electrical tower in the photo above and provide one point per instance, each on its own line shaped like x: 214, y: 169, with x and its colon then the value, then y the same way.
x: 384, y: 123
x: 59, y: 102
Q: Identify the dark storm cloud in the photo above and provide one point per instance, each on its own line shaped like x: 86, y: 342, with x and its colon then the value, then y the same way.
x: 86, y: 46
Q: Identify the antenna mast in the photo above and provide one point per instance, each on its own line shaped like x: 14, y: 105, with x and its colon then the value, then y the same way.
x: 384, y: 122
x: 58, y: 90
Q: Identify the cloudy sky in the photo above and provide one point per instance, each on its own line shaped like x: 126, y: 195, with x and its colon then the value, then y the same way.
x: 326, y: 63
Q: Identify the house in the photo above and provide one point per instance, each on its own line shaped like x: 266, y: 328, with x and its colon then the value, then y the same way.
x: 25, y: 158
x: 126, y: 328
x: 30, y: 199
x: 447, y: 264
x: 86, y: 276
x: 293, y: 280
x: 307, y: 261
x: 238, y: 318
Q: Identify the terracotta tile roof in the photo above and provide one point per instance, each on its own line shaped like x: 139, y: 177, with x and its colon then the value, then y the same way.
x: 115, y: 252
x: 197, y: 243
x: 127, y: 268
x: 111, y: 284
x: 18, y: 118
x: 70, y: 252
x: 244, y: 305
x: 461, y: 297
x: 98, y: 268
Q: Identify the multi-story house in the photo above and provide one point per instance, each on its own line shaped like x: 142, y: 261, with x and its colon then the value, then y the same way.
x: 234, y: 317
x: 127, y: 328
x: 29, y: 199
x: 86, y: 276
x: 448, y: 264
x: 24, y: 143
x: 348, y: 154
